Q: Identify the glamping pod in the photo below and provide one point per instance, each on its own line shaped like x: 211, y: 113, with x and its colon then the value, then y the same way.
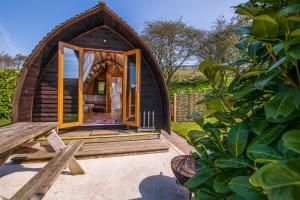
x: 92, y: 70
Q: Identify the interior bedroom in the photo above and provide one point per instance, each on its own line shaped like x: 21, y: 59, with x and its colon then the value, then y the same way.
x: 102, y: 88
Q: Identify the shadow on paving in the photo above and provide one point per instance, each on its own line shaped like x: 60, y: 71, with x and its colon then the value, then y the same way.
x: 10, y: 168
x: 160, y: 187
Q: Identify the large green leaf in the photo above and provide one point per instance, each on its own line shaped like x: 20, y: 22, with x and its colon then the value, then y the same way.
x: 202, y: 151
x: 238, y: 197
x: 264, y: 26
x: 207, y: 64
x: 220, y: 183
x: 269, y: 135
x: 278, y: 63
x: 212, y: 146
x: 282, y: 119
x: 245, y: 30
x: 247, y: 11
x: 238, y: 94
x: 293, y: 18
x: 201, y: 177
x: 262, y: 151
x: 216, y: 134
x: 241, y: 186
x: 237, y: 139
x: 294, y: 53
x: 281, y: 147
x: 213, y: 106
x: 251, y: 74
x: 295, y: 33
x: 253, y: 50
x: 223, y: 117
x: 205, y: 193
x: 199, y: 119
x: 233, y: 163
x: 290, y: 9
x: 286, y: 44
x: 264, y: 80
x: 258, y: 125
x: 242, y: 44
x: 278, y: 47
x: 195, y: 136
x: 291, y: 140
x: 280, y: 180
x: 283, y: 104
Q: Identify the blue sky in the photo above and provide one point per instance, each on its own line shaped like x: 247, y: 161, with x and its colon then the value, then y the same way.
x: 23, y: 23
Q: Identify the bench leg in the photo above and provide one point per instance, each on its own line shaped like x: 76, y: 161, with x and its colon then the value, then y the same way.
x: 57, y: 144
x: 4, y: 157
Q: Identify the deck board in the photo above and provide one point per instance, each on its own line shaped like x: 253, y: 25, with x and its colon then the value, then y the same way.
x: 93, y: 150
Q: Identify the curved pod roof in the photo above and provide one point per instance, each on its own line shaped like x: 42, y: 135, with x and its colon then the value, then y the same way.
x: 93, y: 18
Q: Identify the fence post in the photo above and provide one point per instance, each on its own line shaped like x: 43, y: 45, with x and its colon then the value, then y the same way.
x: 175, y: 108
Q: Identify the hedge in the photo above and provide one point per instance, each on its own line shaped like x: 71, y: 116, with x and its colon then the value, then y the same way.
x: 8, y: 81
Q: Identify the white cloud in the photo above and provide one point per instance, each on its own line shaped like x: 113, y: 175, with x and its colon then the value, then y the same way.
x: 6, y: 43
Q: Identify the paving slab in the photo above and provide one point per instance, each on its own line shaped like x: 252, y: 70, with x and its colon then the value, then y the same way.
x: 179, y: 142
x: 138, y: 177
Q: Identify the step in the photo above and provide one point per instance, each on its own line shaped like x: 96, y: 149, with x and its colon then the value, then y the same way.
x: 103, y: 138
x: 98, y: 150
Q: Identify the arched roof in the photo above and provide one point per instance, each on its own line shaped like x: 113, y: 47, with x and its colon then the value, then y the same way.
x: 97, y: 16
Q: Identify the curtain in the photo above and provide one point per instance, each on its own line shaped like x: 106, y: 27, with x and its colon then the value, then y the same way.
x: 89, y: 59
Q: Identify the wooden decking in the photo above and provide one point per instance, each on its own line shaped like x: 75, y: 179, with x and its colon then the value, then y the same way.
x: 102, y: 143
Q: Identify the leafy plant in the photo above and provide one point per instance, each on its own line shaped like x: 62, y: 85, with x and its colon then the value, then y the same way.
x: 8, y: 81
x: 252, y: 150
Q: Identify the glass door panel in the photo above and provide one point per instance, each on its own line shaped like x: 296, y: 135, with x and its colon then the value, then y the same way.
x: 131, y: 92
x: 69, y: 86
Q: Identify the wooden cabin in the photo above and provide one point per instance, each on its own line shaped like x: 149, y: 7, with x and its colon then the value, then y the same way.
x: 93, y: 70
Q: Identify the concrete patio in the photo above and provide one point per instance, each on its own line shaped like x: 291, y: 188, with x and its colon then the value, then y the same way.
x: 143, y: 177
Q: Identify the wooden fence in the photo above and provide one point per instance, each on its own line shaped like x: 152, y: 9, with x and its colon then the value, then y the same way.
x: 184, y: 104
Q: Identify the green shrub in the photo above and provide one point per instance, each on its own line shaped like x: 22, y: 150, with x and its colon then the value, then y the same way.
x: 252, y: 151
x: 8, y: 80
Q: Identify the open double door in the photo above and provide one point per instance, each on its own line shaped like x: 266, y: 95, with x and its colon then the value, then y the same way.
x: 70, y: 86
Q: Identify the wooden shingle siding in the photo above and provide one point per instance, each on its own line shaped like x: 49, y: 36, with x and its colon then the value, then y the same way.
x: 45, y: 99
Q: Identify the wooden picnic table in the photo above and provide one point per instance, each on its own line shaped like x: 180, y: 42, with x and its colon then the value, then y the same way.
x: 23, y: 134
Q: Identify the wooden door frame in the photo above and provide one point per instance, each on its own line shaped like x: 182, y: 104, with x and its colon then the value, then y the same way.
x: 136, y: 52
x: 60, y: 111
x: 81, y: 51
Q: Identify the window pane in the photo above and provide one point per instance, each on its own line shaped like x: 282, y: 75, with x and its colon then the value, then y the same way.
x: 71, y: 83
x: 101, y: 87
x: 131, y: 88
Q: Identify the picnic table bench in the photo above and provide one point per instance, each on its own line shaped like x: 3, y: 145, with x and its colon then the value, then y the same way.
x: 23, y: 135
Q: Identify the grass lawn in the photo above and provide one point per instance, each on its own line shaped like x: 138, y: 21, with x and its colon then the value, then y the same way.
x: 4, y: 122
x: 183, y: 128
x: 189, y: 86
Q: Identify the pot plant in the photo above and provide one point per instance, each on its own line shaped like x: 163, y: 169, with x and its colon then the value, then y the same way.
x: 250, y: 143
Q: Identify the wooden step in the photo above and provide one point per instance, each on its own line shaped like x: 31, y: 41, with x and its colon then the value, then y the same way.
x: 108, y: 149
x: 107, y: 138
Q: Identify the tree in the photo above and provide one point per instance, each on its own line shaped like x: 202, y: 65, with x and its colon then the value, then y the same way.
x: 19, y: 60
x: 173, y: 44
x: 218, y: 44
x: 7, y: 61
